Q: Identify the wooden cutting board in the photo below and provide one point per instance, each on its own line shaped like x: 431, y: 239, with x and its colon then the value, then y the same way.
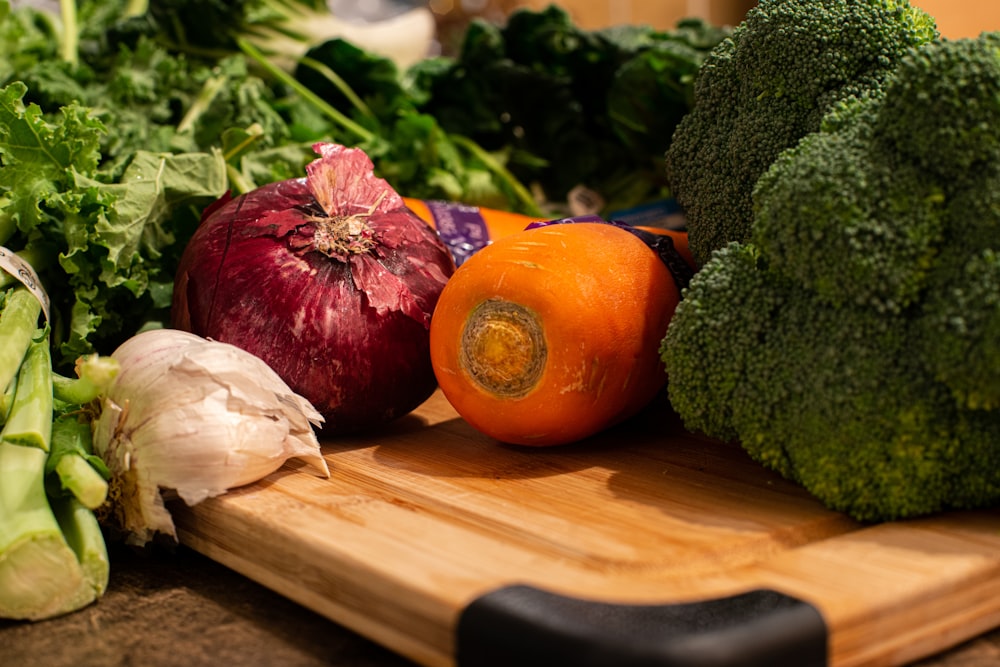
x: 645, y: 545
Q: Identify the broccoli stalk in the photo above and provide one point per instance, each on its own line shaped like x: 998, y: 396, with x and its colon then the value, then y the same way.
x: 53, y: 558
x: 852, y: 342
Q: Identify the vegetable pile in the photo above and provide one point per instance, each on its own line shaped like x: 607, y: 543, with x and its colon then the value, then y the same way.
x: 155, y: 117
x: 838, y: 163
x: 121, y: 122
x: 850, y: 341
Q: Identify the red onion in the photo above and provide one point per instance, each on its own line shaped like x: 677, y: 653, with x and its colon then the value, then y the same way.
x: 330, y: 279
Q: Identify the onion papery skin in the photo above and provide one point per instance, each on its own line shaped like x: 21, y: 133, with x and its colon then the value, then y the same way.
x: 349, y: 332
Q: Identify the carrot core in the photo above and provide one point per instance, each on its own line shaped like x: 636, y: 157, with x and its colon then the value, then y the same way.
x: 503, y: 348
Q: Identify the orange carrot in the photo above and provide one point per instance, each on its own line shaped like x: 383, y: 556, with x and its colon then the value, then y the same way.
x: 550, y: 335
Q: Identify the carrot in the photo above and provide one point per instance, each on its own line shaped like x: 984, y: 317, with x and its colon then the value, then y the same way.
x: 550, y: 335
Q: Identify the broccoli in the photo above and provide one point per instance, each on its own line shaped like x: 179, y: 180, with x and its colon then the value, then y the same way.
x: 768, y: 85
x: 852, y: 341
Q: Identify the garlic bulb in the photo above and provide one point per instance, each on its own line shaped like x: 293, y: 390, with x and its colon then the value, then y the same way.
x: 196, y: 417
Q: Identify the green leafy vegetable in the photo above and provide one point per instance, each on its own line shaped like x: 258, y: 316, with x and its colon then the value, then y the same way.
x: 568, y: 106
x: 113, y: 244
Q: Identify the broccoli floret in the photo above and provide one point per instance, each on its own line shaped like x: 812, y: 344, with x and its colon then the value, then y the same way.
x: 852, y: 228
x: 768, y: 85
x: 961, y: 311
x: 732, y: 304
x: 852, y: 342
x: 825, y: 396
x: 960, y: 340
x: 921, y: 99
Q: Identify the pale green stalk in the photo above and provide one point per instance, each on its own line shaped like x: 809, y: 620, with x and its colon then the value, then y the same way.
x: 18, y: 323
x: 309, y: 96
x: 82, y: 481
x: 83, y: 534
x: 94, y: 375
x: 72, y: 466
x: 69, y: 42
x: 50, y: 560
x: 209, y: 90
x: 30, y: 420
x: 136, y: 8
x: 7, y: 400
x: 498, y: 169
x: 338, y: 82
x: 40, y: 575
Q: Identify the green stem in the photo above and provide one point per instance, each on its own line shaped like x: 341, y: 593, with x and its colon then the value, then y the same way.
x: 69, y: 43
x: 307, y: 95
x: 30, y: 420
x: 7, y: 400
x: 208, y: 92
x: 239, y: 184
x: 530, y: 207
x: 40, y: 575
x: 83, y: 534
x: 72, y: 465
x: 18, y: 322
x: 136, y: 8
x: 94, y: 375
x: 339, y: 83
x: 253, y: 134
x: 83, y: 482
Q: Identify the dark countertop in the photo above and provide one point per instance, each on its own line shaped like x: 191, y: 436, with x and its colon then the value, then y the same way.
x: 176, y: 607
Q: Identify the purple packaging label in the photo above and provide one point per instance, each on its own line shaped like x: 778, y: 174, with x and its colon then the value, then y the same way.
x: 461, y: 227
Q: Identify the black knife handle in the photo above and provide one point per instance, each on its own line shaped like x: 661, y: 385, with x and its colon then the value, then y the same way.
x: 523, y: 626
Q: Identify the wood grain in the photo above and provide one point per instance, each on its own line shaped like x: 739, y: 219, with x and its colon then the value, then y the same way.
x: 418, y: 520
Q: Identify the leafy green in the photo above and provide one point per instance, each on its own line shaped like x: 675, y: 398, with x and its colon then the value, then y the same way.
x: 570, y: 106
x: 116, y: 241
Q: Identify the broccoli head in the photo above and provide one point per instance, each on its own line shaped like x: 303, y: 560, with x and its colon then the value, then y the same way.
x: 768, y: 85
x: 852, y: 341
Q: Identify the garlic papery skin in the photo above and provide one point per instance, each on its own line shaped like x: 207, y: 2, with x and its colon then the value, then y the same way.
x: 196, y: 417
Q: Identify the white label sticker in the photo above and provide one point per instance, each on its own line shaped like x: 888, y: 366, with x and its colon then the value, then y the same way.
x: 21, y: 270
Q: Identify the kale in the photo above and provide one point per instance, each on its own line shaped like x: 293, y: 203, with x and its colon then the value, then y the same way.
x: 570, y: 106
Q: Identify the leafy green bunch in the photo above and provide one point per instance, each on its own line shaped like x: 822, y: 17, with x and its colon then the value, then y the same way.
x: 568, y: 106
